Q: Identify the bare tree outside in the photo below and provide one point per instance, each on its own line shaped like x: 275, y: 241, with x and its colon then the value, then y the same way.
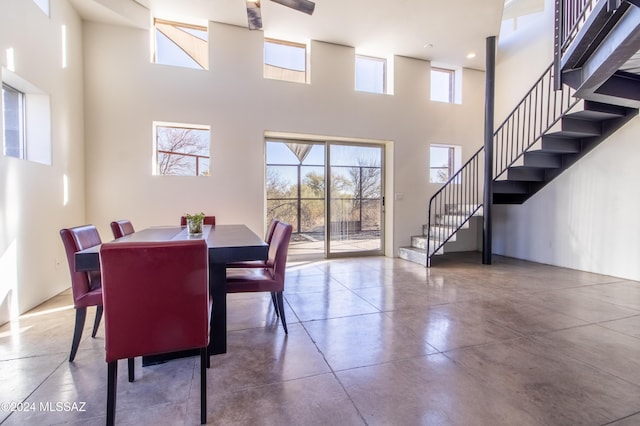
x: 182, y: 151
x: 366, y: 181
x: 297, y: 193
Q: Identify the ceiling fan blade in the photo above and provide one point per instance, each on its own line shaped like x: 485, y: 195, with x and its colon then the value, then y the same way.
x: 254, y: 14
x: 304, y: 6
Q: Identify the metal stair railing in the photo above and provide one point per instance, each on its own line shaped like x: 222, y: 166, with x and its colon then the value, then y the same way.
x: 538, y: 111
x: 570, y: 16
x: 460, y: 195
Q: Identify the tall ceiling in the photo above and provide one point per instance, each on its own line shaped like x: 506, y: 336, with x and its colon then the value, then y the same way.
x: 441, y: 31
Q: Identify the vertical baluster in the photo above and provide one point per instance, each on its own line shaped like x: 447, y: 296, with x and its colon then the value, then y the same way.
x: 512, y: 138
x: 534, y: 108
x: 541, y: 106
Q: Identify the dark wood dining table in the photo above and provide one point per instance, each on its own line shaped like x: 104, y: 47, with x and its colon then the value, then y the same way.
x: 226, y: 244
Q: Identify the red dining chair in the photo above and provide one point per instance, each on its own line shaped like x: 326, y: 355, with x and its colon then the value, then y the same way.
x: 156, y: 300
x: 120, y: 228
x: 85, y: 286
x: 271, y: 277
x: 208, y: 220
x: 257, y: 263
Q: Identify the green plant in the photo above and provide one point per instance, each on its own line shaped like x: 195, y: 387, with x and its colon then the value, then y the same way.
x: 194, y: 222
x: 195, y: 217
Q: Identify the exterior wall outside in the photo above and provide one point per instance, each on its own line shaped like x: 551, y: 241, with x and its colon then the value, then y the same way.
x: 33, y: 265
x: 585, y: 219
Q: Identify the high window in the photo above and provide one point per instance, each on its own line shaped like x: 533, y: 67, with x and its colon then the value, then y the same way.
x: 13, y: 115
x: 443, y: 85
x: 44, y: 5
x: 285, y: 60
x: 444, y: 161
x: 181, y: 45
x: 26, y: 115
x: 181, y: 149
x: 371, y: 74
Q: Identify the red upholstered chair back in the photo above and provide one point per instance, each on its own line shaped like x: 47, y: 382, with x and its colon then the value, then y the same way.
x: 208, y: 220
x: 74, y: 240
x: 120, y: 228
x: 156, y: 297
x: 270, y: 229
x: 278, y: 249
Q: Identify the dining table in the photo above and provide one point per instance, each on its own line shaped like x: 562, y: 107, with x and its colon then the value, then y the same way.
x: 225, y: 244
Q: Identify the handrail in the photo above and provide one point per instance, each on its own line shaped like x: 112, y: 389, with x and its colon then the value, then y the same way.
x: 538, y: 111
x: 466, y: 194
x: 570, y: 16
x: 459, y: 198
x: 574, y: 13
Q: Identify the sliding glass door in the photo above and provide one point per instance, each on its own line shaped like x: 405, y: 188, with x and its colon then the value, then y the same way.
x: 346, y: 221
x: 355, y: 200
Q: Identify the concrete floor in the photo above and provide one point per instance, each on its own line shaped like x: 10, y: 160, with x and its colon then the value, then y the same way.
x: 374, y: 341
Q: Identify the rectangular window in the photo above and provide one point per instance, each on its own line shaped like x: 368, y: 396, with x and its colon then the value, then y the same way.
x: 181, y: 45
x: 285, y: 60
x: 181, y: 149
x: 442, y: 85
x: 444, y: 161
x: 371, y: 74
x: 13, y: 115
x: 26, y: 113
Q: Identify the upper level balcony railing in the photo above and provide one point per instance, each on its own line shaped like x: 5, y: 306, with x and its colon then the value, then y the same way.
x: 570, y: 16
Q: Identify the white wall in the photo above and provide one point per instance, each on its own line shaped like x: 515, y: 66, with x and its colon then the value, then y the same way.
x: 125, y: 94
x: 103, y: 105
x: 33, y: 265
x: 585, y: 219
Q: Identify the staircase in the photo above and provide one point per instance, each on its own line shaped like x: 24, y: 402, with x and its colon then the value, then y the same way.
x: 456, y: 222
x: 559, y: 121
x: 577, y: 132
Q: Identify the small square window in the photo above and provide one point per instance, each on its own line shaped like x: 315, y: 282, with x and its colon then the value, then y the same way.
x: 181, y: 149
x: 284, y: 60
x: 371, y: 74
x: 444, y: 161
x: 181, y: 45
x: 442, y: 85
x: 44, y: 5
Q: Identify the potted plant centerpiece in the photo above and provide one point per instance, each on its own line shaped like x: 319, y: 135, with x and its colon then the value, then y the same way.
x: 194, y: 223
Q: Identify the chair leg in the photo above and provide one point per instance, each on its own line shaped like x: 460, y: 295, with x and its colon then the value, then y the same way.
x: 131, y: 369
x: 96, y: 322
x: 281, y: 309
x: 81, y: 314
x: 112, y: 377
x: 204, y: 359
x: 275, y: 303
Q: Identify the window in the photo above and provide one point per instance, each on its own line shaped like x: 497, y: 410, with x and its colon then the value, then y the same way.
x: 444, y: 161
x: 181, y: 45
x: 13, y: 115
x: 442, y: 85
x: 284, y: 60
x: 26, y: 114
x: 44, y: 5
x: 181, y: 149
x: 371, y: 74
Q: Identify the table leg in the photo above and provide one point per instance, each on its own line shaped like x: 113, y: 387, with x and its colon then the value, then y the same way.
x: 218, y: 290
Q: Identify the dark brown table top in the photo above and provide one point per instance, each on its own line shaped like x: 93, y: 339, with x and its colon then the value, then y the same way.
x: 226, y: 243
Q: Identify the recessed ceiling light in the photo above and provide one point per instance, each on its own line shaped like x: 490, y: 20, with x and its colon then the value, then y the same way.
x: 471, y: 55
